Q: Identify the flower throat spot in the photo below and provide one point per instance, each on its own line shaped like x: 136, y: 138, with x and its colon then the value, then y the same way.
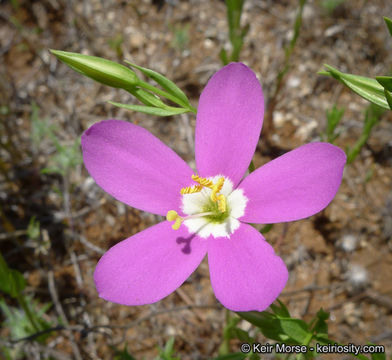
x: 215, y: 211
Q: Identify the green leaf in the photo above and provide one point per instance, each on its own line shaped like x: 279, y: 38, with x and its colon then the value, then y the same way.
x: 385, y: 81
x: 266, y: 228
x: 152, y: 110
x: 334, y: 117
x: 104, y: 71
x: 388, y: 97
x: 365, y: 87
x: 163, y: 81
x: 223, y: 56
x: 268, y: 324
x: 377, y: 356
x: 289, y: 330
x: 280, y: 310
x: 321, y: 326
x: 240, y: 334
x: 12, y: 281
x: 122, y: 355
x: 372, y: 117
x: 295, y: 329
x: 389, y: 24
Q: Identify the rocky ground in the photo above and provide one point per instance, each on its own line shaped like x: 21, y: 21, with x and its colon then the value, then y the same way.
x: 339, y: 259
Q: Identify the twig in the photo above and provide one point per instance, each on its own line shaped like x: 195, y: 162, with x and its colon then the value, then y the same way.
x: 60, y: 311
x: 85, y: 330
x: 11, y: 235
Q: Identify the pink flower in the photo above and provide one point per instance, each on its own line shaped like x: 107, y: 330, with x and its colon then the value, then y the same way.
x: 211, y: 213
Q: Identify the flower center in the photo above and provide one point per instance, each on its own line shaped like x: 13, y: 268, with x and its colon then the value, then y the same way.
x: 211, y: 207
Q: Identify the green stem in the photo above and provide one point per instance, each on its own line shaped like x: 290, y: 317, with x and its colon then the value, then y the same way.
x: 306, y: 342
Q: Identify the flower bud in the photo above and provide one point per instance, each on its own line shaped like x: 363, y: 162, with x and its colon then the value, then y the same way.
x: 104, y: 71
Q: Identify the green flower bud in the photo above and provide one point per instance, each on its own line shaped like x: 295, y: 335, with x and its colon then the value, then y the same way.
x: 104, y: 71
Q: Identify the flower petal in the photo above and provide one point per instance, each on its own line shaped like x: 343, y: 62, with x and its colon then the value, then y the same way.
x: 134, y: 166
x: 295, y: 185
x: 245, y: 273
x: 229, y: 120
x: 148, y: 266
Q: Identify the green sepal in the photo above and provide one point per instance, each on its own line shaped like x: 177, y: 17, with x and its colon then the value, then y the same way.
x: 168, y: 111
x: 147, y: 98
x: 388, y: 96
x: 365, y: 87
x: 12, y: 281
x: 163, y: 81
x: 385, y: 81
x: 388, y: 21
x: 104, y: 71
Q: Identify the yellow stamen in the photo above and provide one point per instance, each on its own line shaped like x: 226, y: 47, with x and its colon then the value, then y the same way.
x: 216, y: 188
x: 203, y: 181
x: 191, y: 189
x: 177, y: 223
x: 172, y: 215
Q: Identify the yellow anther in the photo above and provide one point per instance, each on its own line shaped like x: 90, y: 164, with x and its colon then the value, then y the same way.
x: 216, y: 188
x: 203, y: 181
x: 177, y: 223
x: 172, y: 215
x: 191, y: 189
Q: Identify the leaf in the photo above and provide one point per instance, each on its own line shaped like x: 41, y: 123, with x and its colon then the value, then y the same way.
x: 385, y: 81
x: 365, y: 87
x: 268, y: 324
x: 122, y: 355
x: 167, y: 84
x: 285, y: 329
x: 152, y: 110
x: 104, y: 71
x: 378, y: 356
x: 388, y: 97
x: 281, y: 310
x: 321, y: 326
x: 295, y: 329
x: 240, y: 334
x: 389, y: 24
x: 12, y: 281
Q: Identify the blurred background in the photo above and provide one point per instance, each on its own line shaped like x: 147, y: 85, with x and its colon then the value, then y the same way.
x: 55, y: 222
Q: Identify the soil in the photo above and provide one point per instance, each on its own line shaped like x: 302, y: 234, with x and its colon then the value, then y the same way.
x: 339, y: 259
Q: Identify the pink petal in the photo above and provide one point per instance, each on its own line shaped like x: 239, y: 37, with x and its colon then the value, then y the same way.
x: 294, y: 186
x: 245, y: 273
x: 229, y: 120
x: 134, y: 166
x: 148, y: 266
